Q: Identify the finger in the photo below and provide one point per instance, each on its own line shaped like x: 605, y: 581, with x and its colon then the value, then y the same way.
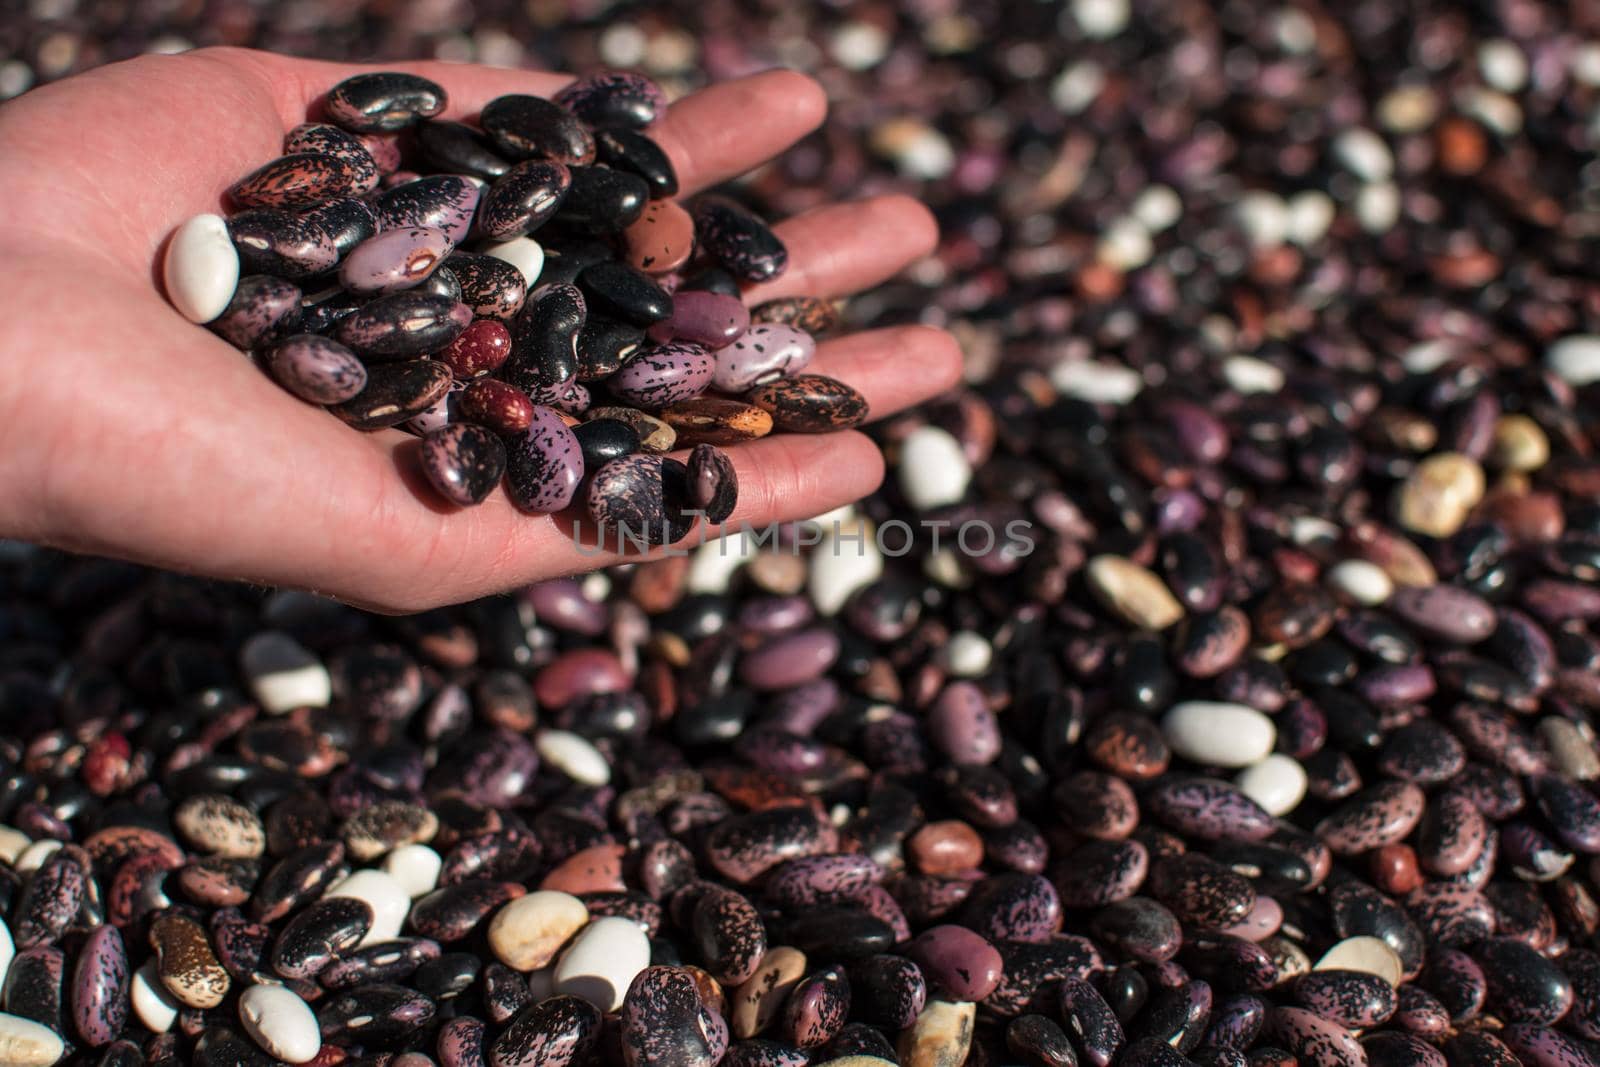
x: 494, y: 547
x: 710, y: 135
x: 729, y: 128
x: 799, y: 476
x: 845, y: 248
x: 893, y: 368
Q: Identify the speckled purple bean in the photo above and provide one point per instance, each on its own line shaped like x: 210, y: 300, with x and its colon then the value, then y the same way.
x: 1230, y: 961
x: 1582, y: 968
x: 1459, y: 983
x: 745, y: 847
x: 34, y: 988
x: 1176, y: 1016
x: 1423, y: 752
x: 961, y: 725
x: 523, y: 199
x: 1539, y: 1046
x: 1386, y: 1048
x: 664, y: 1021
x: 1523, y: 645
x: 761, y: 1052
x: 1573, y: 811
x: 492, y: 287
x: 879, y: 903
x: 776, y: 751
x: 763, y: 353
x: 445, y: 202
x: 1091, y: 1021
x: 640, y: 499
x: 504, y: 855
x: 1495, y: 737
x: 614, y: 98
x: 1383, y: 814
x: 1098, y: 873
x: 1152, y: 1052
x: 1450, y: 914
x: 790, y: 659
x: 1013, y: 907
x: 262, y: 308
x: 51, y: 899
x: 802, y: 708
x: 1451, y: 834
x: 1317, y: 1042
x: 769, y: 615
x: 817, y: 879
x: 544, y: 464
x: 663, y: 374
x: 1352, y: 999
x: 1199, y: 890
x: 743, y: 243
x: 1032, y: 971
x: 713, y: 484
x: 1419, y: 1011
x: 1039, y: 1039
x: 239, y: 944
x: 1524, y: 986
x: 452, y: 912
x: 817, y: 1008
x: 1557, y: 601
x: 568, y: 395
x: 1237, y: 1022
x: 464, y: 463
x: 729, y: 933
x: 1496, y: 792
x: 100, y: 984
x: 1479, y: 1048
x: 888, y: 990
x: 1447, y: 612
x: 281, y: 244
x: 1209, y: 809
x: 460, y: 1042
x: 1393, y: 684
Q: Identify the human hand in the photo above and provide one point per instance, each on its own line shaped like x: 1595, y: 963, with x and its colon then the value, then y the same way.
x: 127, y: 431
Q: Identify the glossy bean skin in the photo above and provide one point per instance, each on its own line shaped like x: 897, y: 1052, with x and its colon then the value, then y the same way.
x: 381, y: 101
x: 544, y: 463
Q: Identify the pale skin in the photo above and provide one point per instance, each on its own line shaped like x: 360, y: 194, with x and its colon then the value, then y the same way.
x: 127, y: 431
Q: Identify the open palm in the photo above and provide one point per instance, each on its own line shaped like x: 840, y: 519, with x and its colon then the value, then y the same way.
x: 127, y: 431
